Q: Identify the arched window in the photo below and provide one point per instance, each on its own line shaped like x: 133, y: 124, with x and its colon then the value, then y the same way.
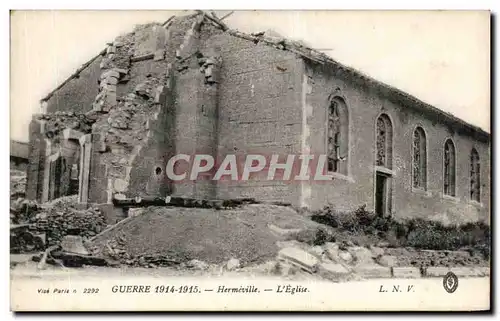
x: 338, y: 136
x: 384, y: 141
x: 475, y: 176
x: 419, y: 159
x: 449, y: 168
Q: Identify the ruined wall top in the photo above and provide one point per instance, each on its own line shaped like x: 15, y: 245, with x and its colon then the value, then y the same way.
x: 140, y: 42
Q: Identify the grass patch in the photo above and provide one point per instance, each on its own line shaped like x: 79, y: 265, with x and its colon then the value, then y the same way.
x: 416, y: 232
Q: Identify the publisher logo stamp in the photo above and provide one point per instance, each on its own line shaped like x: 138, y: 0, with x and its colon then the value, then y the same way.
x: 450, y: 282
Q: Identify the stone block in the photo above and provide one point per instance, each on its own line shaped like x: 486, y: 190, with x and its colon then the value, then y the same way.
x: 299, y: 258
x: 132, y: 212
x: 463, y: 271
x: 373, y: 271
x: 112, y: 81
x: 282, y: 232
x: 387, y: 260
x: 482, y: 271
x: 233, y: 264
x: 406, y: 272
x: 377, y: 251
x: 438, y: 271
x: 332, y: 251
x: 111, y: 213
x: 20, y: 258
x: 120, y: 185
x: 441, y: 271
x: 121, y: 71
x: 197, y: 265
x: 317, y: 250
x: 111, y: 98
x: 119, y: 196
x: 362, y: 255
x: 159, y: 55
x: 110, y: 73
x: 73, y: 244
x: 332, y: 271
x: 346, y: 257
x: 158, y: 92
x: 110, y: 50
x: 280, y: 268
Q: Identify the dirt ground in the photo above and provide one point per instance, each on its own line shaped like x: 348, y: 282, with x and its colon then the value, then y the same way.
x: 212, y: 236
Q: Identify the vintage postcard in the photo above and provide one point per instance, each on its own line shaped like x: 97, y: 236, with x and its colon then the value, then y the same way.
x: 250, y: 161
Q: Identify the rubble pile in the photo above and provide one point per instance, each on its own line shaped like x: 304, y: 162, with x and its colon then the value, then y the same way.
x: 127, y: 123
x: 116, y: 250
x: 166, y: 236
x: 17, y: 184
x: 56, y: 122
x: 337, y: 262
x: 61, y: 218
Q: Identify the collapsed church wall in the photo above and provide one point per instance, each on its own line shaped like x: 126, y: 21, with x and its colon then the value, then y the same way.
x: 137, y: 114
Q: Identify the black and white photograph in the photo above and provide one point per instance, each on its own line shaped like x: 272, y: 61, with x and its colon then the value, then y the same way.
x: 250, y: 160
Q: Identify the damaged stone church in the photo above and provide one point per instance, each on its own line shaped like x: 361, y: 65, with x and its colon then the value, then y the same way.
x: 192, y: 85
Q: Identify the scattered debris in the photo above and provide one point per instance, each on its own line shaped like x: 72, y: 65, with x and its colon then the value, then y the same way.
x: 43, y: 260
x: 233, y: 264
x: 73, y: 244
x: 299, y: 258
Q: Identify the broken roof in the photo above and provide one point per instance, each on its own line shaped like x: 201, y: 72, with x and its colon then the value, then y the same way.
x: 313, y: 55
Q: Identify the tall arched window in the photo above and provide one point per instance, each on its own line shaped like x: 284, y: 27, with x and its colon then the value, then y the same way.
x: 419, y: 159
x: 449, y: 168
x: 475, y: 176
x: 338, y: 136
x: 384, y: 141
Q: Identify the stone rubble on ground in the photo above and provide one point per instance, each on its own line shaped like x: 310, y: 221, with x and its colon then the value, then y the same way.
x: 346, y: 256
x: 233, y: 264
x: 73, y: 244
x: 197, y: 265
x: 387, y: 260
x: 299, y: 258
x: 406, y: 272
x: 332, y: 271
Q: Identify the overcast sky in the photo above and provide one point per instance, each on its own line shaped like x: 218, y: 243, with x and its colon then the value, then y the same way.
x: 440, y: 57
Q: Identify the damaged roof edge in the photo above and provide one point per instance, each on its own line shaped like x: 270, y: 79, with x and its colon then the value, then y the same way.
x: 318, y: 57
x: 410, y: 100
x: 85, y: 65
x: 73, y: 75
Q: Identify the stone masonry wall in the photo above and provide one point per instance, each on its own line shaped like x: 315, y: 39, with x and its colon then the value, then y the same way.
x: 133, y: 137
x: 78, y: 93
x: 364, y: 106
x: 36, y: 163
x: 259, y: 111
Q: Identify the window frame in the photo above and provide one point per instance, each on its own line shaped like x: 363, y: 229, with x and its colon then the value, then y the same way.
x: 449, y: 139
x: 471, y: 200
x: 387, y: 121
x: 419, y: 188
x: 345, y: 114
